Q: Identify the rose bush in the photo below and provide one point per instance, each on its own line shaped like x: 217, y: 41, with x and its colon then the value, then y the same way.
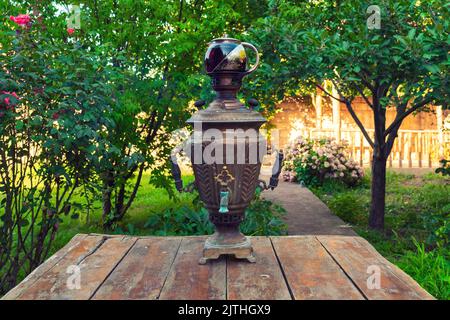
x: 55, y: 102
x: 313, y: 161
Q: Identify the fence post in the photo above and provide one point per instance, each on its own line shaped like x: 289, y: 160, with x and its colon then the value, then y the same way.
x: 440, y: 128
x: 318, y: 106
x: 336, y: 105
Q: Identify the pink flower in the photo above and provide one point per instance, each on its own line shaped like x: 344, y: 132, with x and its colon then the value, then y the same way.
x: 12, y: 94
x: 7, y: 101
x: 70, y: 31
x: 21, y: 19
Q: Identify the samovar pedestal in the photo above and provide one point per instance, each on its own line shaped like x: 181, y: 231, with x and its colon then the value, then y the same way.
x: 227, y: 241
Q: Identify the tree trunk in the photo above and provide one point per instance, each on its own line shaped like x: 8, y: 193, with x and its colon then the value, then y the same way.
x: 376, y: 217
x: 108, y: 183
x: 120, y: 202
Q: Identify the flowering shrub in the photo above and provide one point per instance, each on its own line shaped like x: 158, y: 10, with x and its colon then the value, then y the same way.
x: 21, y: 19
x: 313, y: 161
x: 54, y: 108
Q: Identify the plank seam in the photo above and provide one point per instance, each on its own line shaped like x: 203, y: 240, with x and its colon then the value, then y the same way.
x: 170, y: 269
x: 343, y: 270
x: 291, y: 293
x: 92, y: 251
x: 80, y: 260
x: 113, y: 268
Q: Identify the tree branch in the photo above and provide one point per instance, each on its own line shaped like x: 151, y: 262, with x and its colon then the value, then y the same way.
x: 329, y: 94
x: 363, y: 95
x: 348, y: 104
x: 398, y: 120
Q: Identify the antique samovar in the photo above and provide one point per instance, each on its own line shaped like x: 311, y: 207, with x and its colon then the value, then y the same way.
x: 226, y: 150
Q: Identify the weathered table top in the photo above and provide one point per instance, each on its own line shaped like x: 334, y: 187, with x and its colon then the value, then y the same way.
x: 293, y: 267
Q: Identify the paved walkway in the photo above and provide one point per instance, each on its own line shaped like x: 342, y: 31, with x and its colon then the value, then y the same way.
x: 306, y: 214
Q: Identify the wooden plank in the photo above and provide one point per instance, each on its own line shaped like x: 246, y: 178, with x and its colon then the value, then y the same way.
x: 187, y: 280
x: 262, y: 280
x: 141, y: 274
x: 98, y: 257
x: 310, y: 271
x: 73, y: 244
x: 360, y: 260
x: 398, y: 272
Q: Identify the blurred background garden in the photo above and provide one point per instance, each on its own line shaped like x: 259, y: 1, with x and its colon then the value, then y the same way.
x: 91, y: 92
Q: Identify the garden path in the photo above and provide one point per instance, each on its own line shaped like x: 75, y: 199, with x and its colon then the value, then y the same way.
x: 306, y: 214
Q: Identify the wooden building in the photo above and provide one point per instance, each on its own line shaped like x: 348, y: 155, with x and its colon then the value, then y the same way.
x: 423, y: 138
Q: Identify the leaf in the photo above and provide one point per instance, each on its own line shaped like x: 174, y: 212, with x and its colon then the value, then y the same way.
x: 411, y: 34
x: 432, y: 68
x: 19, y: 125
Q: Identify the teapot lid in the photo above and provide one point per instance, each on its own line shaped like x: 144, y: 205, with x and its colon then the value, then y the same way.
x: 225, y: 38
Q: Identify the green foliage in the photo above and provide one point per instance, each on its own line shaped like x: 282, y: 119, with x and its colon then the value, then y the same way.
x: 183, y: 222
x: 323, y: 40
x: 262, y: 218
x: 159, y: 47
x: 349, y: 207
x: 404, y: 64
x: 417, y: 223
x: 430, y: 269
x: 54, y: 104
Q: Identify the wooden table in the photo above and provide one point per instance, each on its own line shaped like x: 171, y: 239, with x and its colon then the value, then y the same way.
x: 293, y: 267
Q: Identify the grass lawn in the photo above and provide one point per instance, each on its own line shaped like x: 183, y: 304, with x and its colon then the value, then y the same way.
x: 149, y: 200
x: 417, y: 221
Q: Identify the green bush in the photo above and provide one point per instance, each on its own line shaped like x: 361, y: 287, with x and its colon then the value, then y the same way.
x: 54, y: 101
x: 350, y: 208
x: 416, y: 237
x: 262, y: 218
x: 180, y: 222
x: 431, y: 269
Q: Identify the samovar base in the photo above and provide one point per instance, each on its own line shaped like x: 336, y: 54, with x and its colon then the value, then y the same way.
x: 217, y: 245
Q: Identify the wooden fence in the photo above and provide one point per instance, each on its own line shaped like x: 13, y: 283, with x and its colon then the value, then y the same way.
x: 412, y: 148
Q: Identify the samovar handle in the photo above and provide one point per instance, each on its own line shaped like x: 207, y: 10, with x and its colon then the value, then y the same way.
x: 255, y: 66
x: 176, y: 174
x: 276, y: 170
